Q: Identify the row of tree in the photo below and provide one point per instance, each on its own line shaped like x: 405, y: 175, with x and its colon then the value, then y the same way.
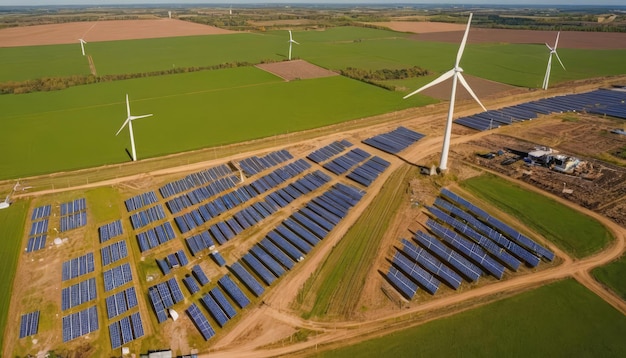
x: 375, y: 77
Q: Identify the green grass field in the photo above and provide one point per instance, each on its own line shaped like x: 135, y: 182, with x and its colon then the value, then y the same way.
x: 75, y: 128
x: 12, y: 222
x: 577, y: 234
x: 612, y: 275
x: 335, y: 287
x: 562, y: 319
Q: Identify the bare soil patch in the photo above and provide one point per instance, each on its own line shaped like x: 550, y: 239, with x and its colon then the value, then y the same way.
x: 422, y: 27
x: 482, y: 88
x: 113, y: 30
x: 296, y: 70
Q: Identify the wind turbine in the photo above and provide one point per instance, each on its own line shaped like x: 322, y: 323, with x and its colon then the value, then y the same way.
x: 456, y: 74
x: 82, y: 45
x: 129, y: 121
x: 291, y: 42
x: 7, y: 202
x: 546, y: 79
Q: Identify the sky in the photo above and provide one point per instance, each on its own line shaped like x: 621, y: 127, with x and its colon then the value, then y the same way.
x: 235, y: 2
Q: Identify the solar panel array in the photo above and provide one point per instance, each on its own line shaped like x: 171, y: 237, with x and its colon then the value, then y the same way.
x: 424, y: 278
x: 199, y: 195
x: 197, y: 272
x: 29, y: 324
x: 255, y: 165
x: 341, y: 164
x: 231, y: 288
x: 246, y: 277
x: 431, y: 263
x: 109, y: 231
x: 322, y: 154
x: 80, y: 323
x: 401, y: 282
x: 395, y: 141
x: 217, y: 257
x: 163, y: 296
x: 36, y: 243
x: 78, y: 294
x: 41, y: 212
x: 139, y: 201
x: 199, y: 242
x: 145, y: 217
x: 194, y: 180
x: 114, y: 252
x: 175, y: 260
x: 200, y: 321
x: 366, y: 173
x: 119, y: 303
x: 156, y: 236
x: 117, y: 276
x: 191, y: 284
x: 602, y: 101
x: 39, y: 228
x: 73, y: 215
x: 126, y: 330
x: 78, y: 266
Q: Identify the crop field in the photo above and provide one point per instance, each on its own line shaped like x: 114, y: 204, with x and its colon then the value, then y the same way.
x: 576, y: 233
x: 75, y: 128
x: 12, y: 224
x: 612, y: 275
x: 561, y: 319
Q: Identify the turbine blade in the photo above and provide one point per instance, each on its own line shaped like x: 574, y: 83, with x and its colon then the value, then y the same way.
x: 556, y: 43
x: 123, y: 125
x: 296, y: 42
x: 127, y: 106
x: 462, y: 47
x: 437, y: 81
x: 548, y: 46
x: 132, y: 118
x: 290, y: 37
x: 469, y: 89
x: 558, y: 58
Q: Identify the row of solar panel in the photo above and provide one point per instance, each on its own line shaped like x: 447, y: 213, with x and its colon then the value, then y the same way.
x: 368, y: 172
x: 139, y: 201
x: 197, y: 272
x: 29, y: 324
x: 402, y: 283
x: 110, y: 230
x: 126, y: 330
x: 80, y: 323
x: 194, y: 180
x: 431, y: 263
x: 529, y: 258
x: 73, y: 221
x: 199, y: 242
x: 341, y: 164
x: 328, y: 151
x: 395, y: 141
x: 38, y: 227
x: 599, y: 102
x: 41, y: 212
x: 72, y: 207
x: 254, y: 165
x: 516, y: 236
x: 163, y: 296
x: 145, y: 217
x: 201, y: 194
x: 419, y: 275
x: 117, y: 276
x: 36, y: 243
x: 191, y: 283
x: 156, y: 236
x: 200, y: 321
x: 218, y: 306
x: 78, y: 294
x: 177, y: 259
x: 458, y: 262
x: 78, y: 266
x: 114, y: 252
x: 279, y: 176
x: 119, y: 303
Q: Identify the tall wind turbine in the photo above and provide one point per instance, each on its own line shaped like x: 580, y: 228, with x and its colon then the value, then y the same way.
x: 456, y: 74
x: 82, y: 45
x: 546, y: 79
x: 291, y: 42
x: 129, y: 121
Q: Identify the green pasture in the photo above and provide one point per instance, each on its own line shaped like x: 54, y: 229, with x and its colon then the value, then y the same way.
x: 12, y: 227
x: 75, y: 128
x: 562, y: 319
x: 576, y: 233
x: 612, y: 275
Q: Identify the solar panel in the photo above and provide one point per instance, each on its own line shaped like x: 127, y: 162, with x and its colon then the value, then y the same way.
x: 80, y: 323
x: 402, y: 283
x: 177, y: 294
x: 115, y: 335
x: 277, y: 253
x: 460, y: 263
x: 138, y: 331
x: 215, y: 310
x: 233, y: 291
x: 200, y: 275
x: 200, y: 321
x: 418, y: 274
x: 249, y: 281
x: 219, y: 297
x: 266, y: 275
x: 29, y: 324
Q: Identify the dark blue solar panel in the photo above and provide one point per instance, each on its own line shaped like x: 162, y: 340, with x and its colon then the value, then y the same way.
x: 115, y: 334
x: 249, y: 281
x: 215, y: 310
x: 219, y: 297
x: 200, y: 276
x: 200, y: 321
x: 460, y: 263
x: 266, y: 275
x: 137, y: 325
x: 177, y: 294
x: 191, y: 284
x: 276, y: 253
x: 402, y: 283
x: 233, y: 291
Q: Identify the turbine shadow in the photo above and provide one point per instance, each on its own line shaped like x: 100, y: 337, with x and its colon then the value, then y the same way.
x: 130, y: 156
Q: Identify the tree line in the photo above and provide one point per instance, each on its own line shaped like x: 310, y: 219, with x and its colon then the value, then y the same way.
x: 375, y: 76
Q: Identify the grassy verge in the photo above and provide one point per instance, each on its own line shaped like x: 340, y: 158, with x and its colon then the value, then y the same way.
x: 12, y: 225
x: 561, y: 319
x: 612, y: 275
x: 336, y: 285
x: 574, y: 232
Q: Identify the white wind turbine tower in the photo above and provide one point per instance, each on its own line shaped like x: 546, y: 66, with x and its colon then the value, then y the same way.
x: 546, y: 79
x: 7, y: 202
x: 82, y: 45
x: 129, y: 121
x: 456, y: 74
x: 291, y: 42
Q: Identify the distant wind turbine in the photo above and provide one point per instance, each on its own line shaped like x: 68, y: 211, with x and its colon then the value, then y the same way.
x: 82, y: 45
x: 291, y: 42
x: 456, y: 74
x: 546, y: 79
x: 129, y: 122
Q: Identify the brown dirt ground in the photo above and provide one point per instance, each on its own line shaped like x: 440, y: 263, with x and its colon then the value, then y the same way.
x: 296, y: 70
x: 112, y: 30
x: 442, y: 32
x: 482, y: 88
